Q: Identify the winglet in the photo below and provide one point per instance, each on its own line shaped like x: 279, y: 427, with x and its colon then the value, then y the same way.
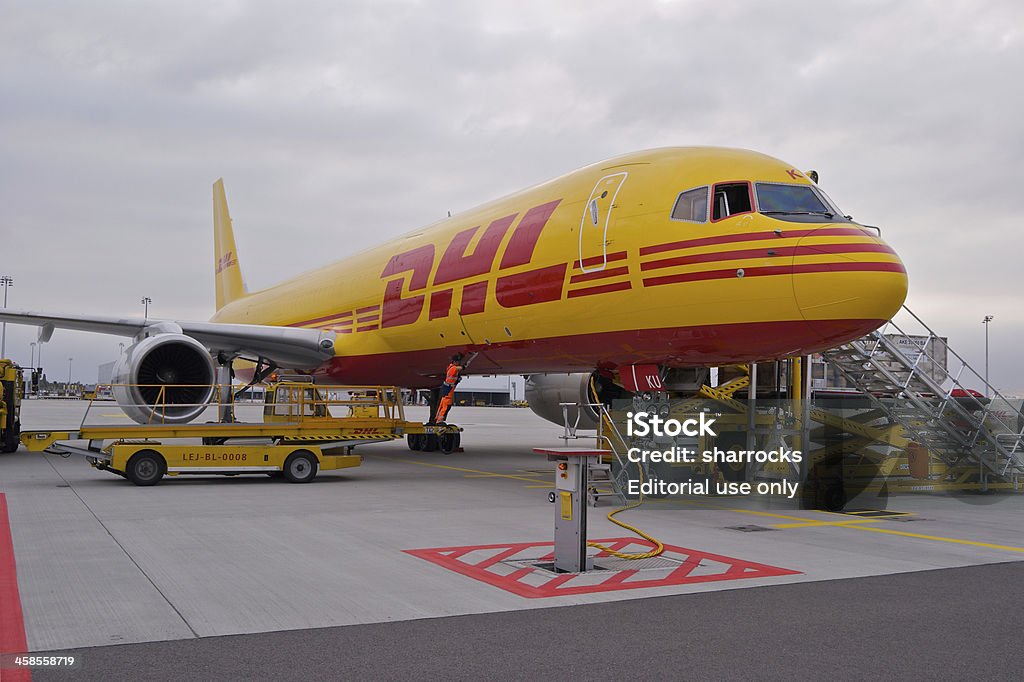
x: 228, y: 274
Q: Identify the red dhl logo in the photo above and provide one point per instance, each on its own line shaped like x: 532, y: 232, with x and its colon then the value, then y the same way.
x: 413, y: 270
x: 226, y: 261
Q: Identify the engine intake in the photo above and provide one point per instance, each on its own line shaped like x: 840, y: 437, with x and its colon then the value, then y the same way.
x: 166, y: 378
x: 546, y: 392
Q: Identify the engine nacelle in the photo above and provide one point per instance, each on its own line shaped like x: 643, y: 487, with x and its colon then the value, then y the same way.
x: 546, y: 392
x: 165, y: 378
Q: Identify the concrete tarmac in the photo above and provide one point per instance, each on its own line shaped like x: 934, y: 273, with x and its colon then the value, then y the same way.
x: 949, y: 624
x: 198, y: 565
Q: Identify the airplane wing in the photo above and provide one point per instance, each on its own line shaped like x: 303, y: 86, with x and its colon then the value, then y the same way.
x: 286, y: 346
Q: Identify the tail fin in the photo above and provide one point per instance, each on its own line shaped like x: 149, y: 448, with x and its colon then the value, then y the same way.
x: 230, y: 284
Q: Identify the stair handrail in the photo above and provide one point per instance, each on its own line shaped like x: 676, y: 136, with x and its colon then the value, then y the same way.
x: 991, y: 389
x: 992, y: 395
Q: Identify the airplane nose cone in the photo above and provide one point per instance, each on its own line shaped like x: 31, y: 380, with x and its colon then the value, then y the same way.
x: 847, y: 282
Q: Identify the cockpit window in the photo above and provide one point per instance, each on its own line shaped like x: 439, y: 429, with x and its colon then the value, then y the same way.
x: 692, y: 205
x: 828, y: 202
x: 796, y: 203
x: 731, y: 199
x: 773, y: 198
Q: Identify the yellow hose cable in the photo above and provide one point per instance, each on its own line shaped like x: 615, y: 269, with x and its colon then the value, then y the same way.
x: 659, y: 547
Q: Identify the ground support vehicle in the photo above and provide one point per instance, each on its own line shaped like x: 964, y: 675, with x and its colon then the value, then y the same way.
x: 11, y: 386
x: 305, y: 429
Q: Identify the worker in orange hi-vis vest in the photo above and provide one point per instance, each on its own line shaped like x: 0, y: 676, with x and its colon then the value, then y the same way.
x: 451, y: 378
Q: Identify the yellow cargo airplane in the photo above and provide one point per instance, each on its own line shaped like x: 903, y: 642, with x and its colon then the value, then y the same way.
x: 676, y: 257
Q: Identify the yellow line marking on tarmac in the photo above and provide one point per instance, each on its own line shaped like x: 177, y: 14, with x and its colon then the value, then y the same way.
x: 479, y: 474
x: 804, y: 522
x: 490, y: 475
x: 811, y: 524
x: 958, y: 541
x: 858, y: 524
x: 800, y: 519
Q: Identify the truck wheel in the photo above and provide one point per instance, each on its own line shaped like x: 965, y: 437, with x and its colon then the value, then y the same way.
x: 415, y: 441
x: 430, y: 442
x: 11, y: 438
x: 146, y: 467
x: 448, y: 442
x: 300, y: 467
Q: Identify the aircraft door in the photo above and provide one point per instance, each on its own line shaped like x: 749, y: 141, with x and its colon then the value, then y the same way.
x: 597, y: 214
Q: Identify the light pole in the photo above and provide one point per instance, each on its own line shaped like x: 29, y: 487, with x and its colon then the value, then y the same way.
x: 32, y: 362
x: 146, y: 300
x: 988, y: 318
x: 7, y: 282
x: 69, y: 373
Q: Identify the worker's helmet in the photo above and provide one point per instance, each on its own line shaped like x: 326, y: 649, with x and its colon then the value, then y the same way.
x: 457, y: 357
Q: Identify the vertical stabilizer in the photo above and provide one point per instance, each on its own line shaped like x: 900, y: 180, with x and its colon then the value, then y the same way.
x: 230, y: 284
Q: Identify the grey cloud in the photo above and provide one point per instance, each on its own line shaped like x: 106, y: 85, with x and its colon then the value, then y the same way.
x: 338, y: 125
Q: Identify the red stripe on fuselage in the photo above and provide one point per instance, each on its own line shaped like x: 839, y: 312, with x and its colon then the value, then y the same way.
x: 594, y: 260
x: 600, y: 274
x: 602, y: 289
x: 754, y: 236
x: 807, y: 250
x: 773, y: 270
x: 326, y: 318
x: 707, y: 345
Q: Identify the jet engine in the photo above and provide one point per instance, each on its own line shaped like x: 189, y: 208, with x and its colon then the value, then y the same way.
x: 545, y: 392
x: 164, y: 378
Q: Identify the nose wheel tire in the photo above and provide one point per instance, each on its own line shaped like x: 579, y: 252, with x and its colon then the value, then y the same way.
x: 146, y: 467
x: 300, y: 467
x: 835, y: 498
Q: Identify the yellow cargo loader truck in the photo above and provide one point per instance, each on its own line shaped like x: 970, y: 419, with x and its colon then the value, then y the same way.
x: 11, y: 387
x: 305, y: 429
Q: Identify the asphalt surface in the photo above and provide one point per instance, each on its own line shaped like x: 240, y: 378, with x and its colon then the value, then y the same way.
x: 950, y: 624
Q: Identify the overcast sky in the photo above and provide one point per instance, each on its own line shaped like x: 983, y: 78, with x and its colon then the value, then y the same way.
x: 337, y: 125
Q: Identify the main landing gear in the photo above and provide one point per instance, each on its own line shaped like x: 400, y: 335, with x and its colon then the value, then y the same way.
x: 446, y: 441
x: 436, y: 436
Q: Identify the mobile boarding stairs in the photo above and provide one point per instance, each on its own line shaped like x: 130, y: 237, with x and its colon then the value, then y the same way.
x: 925, y: 390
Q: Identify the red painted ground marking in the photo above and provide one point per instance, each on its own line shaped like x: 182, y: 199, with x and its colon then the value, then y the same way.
x: 12, y: 623
x: 525, y: 580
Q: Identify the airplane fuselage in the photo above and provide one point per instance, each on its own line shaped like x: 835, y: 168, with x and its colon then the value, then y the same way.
x: 610, y: 265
